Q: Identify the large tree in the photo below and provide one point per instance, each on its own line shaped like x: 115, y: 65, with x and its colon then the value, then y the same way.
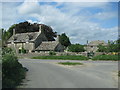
x: 64, y: 40
x: 50, y: 34
x: 25, y: 27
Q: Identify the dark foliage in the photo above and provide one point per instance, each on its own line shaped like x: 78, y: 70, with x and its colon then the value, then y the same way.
x: 76, y: 48
x: 49, y: 33
x: 12, y: 71
x: 64, y: 40
x: 25, y: 27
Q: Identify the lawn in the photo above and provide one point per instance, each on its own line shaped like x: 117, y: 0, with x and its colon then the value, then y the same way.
x: 65, y: 57
x: 106, y: 57
x: 70, y: 63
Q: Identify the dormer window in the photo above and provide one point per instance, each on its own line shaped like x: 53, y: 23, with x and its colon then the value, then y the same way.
x: 14, y: 38
x: 29, y: 37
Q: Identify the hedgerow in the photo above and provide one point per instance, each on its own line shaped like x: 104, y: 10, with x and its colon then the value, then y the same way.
x: 12, y: 71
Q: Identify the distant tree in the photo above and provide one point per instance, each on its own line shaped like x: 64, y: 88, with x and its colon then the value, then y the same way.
x: 64, y: 40
x: 102, y: 48
x: 113, y: 46
x: 76, y: 48
x: 6, y: 34
x: 4, y: 37
x: 10, y: 30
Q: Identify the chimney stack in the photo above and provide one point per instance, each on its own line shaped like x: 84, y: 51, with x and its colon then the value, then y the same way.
x: 40, y: 28
x: 13, y: 31
x: 58, y: 38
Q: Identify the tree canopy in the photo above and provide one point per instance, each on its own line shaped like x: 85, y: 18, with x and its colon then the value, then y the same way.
x: 25, y: 27
x: 64, y: 40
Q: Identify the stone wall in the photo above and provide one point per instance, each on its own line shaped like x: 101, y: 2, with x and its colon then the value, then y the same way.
x: 46, y: 53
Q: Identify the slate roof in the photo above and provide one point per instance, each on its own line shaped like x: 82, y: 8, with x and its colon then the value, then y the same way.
x: 97, y: 42
x: 47, y: 46
x: 23, y: 37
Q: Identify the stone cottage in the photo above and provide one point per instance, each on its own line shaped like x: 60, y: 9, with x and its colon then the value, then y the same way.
x: 93, y: 45
x: 34, y: 41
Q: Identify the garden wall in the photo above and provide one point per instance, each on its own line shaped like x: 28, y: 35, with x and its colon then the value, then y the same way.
x: 33, y: 54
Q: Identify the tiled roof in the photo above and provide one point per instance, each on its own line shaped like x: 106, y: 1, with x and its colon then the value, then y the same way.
x: 49, y: 45
x: 97, y: 42
x: 23, y: 37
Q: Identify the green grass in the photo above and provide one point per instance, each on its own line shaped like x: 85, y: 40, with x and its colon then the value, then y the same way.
x: 65, y: 57
x: 70, y: 63
x: 106, y: 57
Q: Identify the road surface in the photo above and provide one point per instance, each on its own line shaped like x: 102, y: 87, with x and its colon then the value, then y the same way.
x: 49, y: 74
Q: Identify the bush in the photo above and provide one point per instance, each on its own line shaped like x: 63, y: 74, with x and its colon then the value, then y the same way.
x: 119, y: 73
x: 12, y: 71
x: 106, y: 57
x: 64, y: 40
x: 22, y: 51
x: 52, y: 53
x: 76, y: 48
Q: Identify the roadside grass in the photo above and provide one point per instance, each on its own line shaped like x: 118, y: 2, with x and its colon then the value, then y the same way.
x: 65, y: 57
x: 70, y: 63
x: 106, y: 57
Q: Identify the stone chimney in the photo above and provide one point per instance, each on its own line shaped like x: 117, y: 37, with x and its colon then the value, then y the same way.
x: 57, y: 39
x: 13, y: 31
x: 40, y: 28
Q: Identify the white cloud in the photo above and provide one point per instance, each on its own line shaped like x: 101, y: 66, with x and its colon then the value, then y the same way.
x: 28, y: 8
x: 106, y: 15
x: 77, y: 27
x: 0, y: 15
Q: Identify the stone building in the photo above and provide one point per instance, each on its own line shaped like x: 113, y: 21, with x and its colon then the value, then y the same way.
x: 33, y: 41
x: 93, y: 45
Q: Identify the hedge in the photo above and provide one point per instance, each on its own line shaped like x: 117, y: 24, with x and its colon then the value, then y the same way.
x: 12, y: 71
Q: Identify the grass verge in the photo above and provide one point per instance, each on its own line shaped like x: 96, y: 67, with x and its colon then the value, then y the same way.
x: 106, y: 57
x: 67, y: 57
x: 70, y: 63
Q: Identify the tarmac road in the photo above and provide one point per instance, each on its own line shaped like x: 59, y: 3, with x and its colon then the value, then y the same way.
x: 49, y: 74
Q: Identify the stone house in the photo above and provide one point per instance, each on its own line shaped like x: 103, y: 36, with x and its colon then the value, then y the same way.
x: 33, y: 41
x: 93, y: 45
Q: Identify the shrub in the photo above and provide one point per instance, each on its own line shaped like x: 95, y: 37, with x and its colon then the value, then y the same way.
x: 119, y: 73
x: 76, y: 48
x: 106, y: 57
x: 22, y: 51
x: 52, y: 53
x: 12, y: 71
x: 64, y: 40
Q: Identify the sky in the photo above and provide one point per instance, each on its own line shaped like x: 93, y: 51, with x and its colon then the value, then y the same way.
x: 81, y: 21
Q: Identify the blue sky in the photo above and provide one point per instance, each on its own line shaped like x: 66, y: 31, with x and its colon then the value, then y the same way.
x: 81, y: 21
